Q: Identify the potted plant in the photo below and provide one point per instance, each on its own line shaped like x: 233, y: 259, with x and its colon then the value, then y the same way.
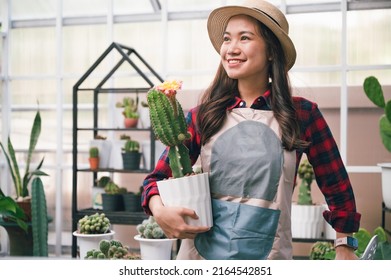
x: 170, y: 127
x: 91, y: 229
x: 374, y: 92
x: 112, y: 198
x: 130, y: 111
x: 30, y: 233
x: 21, y: 184
x: 94, y: 158
x: 306, y: 217
x: 131, y: 155
x: 111, y: 250
x: 105, y: 148
x: 154, y: 244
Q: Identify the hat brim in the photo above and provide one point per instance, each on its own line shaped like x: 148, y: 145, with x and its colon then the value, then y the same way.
x: 218, y: 20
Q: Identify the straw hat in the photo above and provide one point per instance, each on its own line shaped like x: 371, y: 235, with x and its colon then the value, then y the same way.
x: 263, y: 11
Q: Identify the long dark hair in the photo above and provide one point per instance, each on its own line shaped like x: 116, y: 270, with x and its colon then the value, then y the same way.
x: 222, y: 91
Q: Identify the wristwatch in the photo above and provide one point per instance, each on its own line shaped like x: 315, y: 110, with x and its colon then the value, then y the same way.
x: 348, y: 241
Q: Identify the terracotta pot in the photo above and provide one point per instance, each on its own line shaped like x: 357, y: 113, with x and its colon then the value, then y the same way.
x: 94, y: 163
x: 128, y: 122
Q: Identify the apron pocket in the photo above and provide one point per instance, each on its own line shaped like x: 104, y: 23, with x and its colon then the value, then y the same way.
x: 239, y: 232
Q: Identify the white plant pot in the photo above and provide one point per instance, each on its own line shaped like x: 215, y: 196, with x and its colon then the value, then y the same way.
x: 87, y: 242
x: 307, y: 221
x: 192, y: 192
x: 146, y: 150
x: 104, y: 147
x: 116, y: 161
x: 386, y: 183
x: 155, y: 249
x: 118, y: 117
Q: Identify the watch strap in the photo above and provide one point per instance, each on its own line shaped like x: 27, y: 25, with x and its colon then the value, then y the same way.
x: 348, y: 241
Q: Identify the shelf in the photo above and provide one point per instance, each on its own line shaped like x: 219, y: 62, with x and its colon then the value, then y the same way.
x: 126, y: 55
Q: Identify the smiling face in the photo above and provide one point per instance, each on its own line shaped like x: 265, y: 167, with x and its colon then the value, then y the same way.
x: 244, y: 51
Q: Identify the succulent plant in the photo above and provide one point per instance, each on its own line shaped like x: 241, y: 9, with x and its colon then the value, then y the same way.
x: 94, y: 152
x: 94, y: 224
x: 111, y: 249
x: 131, y: 146
x: 169, y: 124
x: 150, y: 229
x: 306, y: 174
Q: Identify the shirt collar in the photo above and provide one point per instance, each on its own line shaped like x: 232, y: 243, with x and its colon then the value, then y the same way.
x: 259, y: 102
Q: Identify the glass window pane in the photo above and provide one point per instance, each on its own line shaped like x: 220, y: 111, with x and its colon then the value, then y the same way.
x: 193, y: 52
x: 33, y: 9
x: 369, y: 40
x: 312, y: 78
x: 317, y: 38
x: 129, y: 7
x: 145, y: 37
x: 85, y: 7
x: 82, y: 45
x: 31, y: 92
x: 33, y: 51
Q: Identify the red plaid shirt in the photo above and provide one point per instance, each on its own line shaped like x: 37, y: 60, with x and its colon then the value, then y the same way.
x: 323, y: 154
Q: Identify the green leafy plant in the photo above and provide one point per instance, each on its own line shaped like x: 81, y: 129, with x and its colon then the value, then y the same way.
x: 323, y: 251
x: 21, y: 183
x: 149, y: 228
x: 374, y: 92
x: 10, y: 209
x: 169, y: 124
x: 306, y: 174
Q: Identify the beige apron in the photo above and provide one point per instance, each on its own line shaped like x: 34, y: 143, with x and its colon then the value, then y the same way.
x: 251, y: 179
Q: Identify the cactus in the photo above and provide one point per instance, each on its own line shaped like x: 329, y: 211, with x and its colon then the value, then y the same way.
x: 94, y: 224
x: 94, y: 152
x: 113, y: 188
x: 111, y: 249
x: 131, y: 146
x: 169, y: 124
x: 149, y: 228
x: 374, y: 92
x: 306, y: 173
x: 322, y: 250
x: 39, y: 219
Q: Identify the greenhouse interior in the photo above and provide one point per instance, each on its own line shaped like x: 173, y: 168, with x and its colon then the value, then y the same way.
x: 68, y: 68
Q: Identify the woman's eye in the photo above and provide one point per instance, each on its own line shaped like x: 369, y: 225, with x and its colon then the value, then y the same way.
x: 225, y: 39
x: 244, y: 38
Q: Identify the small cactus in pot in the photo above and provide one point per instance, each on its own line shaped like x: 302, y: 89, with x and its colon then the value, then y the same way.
x: 169, y: 124
x: 150, y: 229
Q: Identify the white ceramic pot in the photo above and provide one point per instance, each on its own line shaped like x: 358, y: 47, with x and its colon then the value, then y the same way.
x: 192, y: 192
x: 307, y: 221
x: 115, y: 155
x: 87, y: 242
x: 155, y: 249
x: 386, y: 183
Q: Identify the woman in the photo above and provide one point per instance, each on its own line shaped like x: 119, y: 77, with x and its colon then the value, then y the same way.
x: 250, y: 134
